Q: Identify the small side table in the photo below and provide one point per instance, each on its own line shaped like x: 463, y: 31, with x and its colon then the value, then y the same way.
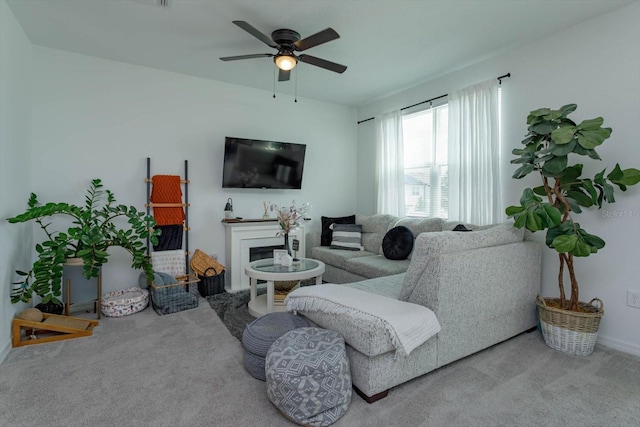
x: 265, y: 269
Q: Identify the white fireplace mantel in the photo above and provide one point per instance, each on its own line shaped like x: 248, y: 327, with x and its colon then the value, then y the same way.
x: 244, y: 235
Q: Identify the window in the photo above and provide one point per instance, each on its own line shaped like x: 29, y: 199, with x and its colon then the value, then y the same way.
x: 426, y: 173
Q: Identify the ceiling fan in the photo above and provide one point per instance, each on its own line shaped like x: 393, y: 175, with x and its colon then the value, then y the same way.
x: 287, y: 42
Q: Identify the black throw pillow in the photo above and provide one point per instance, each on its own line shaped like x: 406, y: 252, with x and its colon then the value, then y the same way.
x: 327, y: 235
x: 397, y: 243
x: 461, y: 227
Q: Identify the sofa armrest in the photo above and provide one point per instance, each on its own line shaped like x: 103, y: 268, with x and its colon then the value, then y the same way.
x: 429, y: 246
x: 312, y: 241
x: 481, y: 296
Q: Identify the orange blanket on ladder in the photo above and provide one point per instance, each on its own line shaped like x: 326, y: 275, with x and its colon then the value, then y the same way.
x: 166, y: 189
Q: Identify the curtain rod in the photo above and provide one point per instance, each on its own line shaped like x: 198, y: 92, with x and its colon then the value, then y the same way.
x: 506, y: 76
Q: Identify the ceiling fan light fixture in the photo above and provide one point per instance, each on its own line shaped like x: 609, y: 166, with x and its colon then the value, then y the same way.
x: 285, y: 62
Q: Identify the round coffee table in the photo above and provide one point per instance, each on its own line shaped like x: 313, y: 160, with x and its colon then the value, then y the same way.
x: 265, y: 269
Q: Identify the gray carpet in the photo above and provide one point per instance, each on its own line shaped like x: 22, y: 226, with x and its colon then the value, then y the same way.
x: 185, y: 369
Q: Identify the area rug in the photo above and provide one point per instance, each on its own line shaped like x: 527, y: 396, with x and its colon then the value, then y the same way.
x: 231, y: 308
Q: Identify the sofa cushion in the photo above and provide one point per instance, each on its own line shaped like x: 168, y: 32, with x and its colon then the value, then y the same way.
x: 347, y: 237
x: 451, y: 225
x: 421, y: 225
x: 376, y: 266
x: 374, y: 227
x: 433, y: 244
x: 337, y: 257
x: 397, y: 243
x: 387, y: 286
x: 325, y: 236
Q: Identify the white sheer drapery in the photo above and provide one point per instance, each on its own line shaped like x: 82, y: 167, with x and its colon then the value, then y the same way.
x: 474, y: 155
x: 389, y: 164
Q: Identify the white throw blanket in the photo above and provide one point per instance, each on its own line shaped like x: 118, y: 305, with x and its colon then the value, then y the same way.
x: 409, y: 325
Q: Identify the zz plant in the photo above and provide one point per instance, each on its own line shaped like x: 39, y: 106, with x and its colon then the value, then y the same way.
x: 95, y: 228
x: 552, y: 138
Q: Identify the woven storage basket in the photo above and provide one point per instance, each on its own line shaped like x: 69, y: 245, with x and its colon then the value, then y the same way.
x: 209, y: 271
x: 200, y: 262
x: 211, y: 283
x: 285, y: 285
x: 570, y: 331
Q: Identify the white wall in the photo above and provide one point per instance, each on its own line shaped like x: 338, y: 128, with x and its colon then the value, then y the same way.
x: 93, y: 118
x: 15, y: 183
x: 100, y: 118
x: 596, y: 65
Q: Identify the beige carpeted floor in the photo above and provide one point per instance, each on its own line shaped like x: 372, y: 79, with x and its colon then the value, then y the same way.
x: 185, y: 369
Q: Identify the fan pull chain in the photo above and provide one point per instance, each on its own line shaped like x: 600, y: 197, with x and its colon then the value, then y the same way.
x: 296, y: 89
x: 274, y: 81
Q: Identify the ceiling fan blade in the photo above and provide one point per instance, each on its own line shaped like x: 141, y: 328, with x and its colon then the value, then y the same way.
x: 256, y: 33
x: 316, y: 39
x: 323, y: 63
x: 255, y: 55
x: 283, y: 75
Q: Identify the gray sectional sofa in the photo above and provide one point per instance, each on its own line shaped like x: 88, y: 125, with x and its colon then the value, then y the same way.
x: 343, y: 266
x: 481, y: 285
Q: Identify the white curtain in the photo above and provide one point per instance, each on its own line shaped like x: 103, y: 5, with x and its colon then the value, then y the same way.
x: 389, y: 164
x: 474, y: 155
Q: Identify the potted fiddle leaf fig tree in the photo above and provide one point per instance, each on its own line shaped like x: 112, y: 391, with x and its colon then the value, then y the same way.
x: 567, y: 324
x: 95, y: 226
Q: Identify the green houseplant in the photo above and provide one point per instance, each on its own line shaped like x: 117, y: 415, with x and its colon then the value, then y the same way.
x: 96, y: 226
x: 551, y: 139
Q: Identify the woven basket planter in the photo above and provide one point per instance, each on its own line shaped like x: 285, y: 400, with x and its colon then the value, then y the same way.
x: 569, y: 331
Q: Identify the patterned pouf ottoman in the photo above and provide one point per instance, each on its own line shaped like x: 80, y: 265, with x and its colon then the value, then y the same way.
x: 308, y: 376
x: 261, y: 333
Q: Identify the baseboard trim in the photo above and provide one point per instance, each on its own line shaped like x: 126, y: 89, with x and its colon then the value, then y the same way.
x: 5, y: 351
x: 623, y: 346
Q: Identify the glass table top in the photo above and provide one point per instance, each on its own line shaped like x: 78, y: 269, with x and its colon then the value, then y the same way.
x: 267, y: 266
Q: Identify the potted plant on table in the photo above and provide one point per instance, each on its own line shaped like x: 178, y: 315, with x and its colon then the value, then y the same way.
x: 567, y: 324
x: 95, y: 227
x: 289, y: 219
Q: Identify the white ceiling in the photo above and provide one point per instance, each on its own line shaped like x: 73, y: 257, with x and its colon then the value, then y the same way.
x: 388, y: 45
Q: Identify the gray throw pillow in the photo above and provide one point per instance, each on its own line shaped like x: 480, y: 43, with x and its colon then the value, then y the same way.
x: 347, y: 237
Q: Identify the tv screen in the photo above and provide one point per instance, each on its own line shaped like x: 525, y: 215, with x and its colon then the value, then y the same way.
x: 253, y: 163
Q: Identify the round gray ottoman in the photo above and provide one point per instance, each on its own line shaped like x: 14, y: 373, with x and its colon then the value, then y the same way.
x: 261, y: 333
x: 308, y: 376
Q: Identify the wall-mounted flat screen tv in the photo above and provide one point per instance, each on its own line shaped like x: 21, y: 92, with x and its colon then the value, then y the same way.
x: 253, y: 163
